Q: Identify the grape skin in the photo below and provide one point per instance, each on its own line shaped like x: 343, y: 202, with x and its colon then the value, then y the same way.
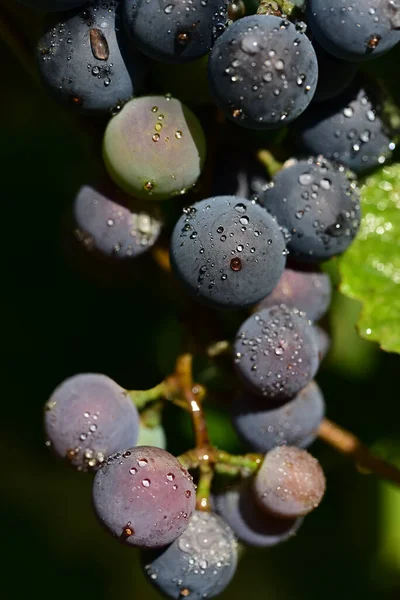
x: 200, y: 564
x: 290, y: 482
x: 293, y: 424
x: 85, y: 62
x: 308, y: 291
x: 154, y: 148
x: 355, y: 30
x: 275, y: 353
x: 252, y: 525
x: 104, y: 221
x: 347, y: 130
x: 172, y: 34
x: 317, y: 206
x: 88, y: 417
x: 262, y: 72
x: 227, y: 251
x: 144, y: 496
x: 322, y: 340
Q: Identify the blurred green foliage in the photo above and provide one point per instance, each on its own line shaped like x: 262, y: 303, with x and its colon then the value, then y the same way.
x: 370, y: 269
x: 61, y: 318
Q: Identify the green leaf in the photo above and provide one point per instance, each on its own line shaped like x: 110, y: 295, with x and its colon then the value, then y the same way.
x: 370, y: 269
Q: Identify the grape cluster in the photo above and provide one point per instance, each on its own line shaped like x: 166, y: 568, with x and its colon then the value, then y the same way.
x: 249, y: 236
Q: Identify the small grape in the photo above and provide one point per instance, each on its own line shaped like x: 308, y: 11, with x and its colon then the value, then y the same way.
x: 105, y: 221
x: 252, y: 525
x: 262, y: 72
x: 356, y: 30
x: 323, y: 341
x: 317, y: 206
x: 154, y: 148
x: 275, y: 352
x: 293, y: 424
x: 152, y: 436
x: 348, y: 129
x: 290, y: 482
x: 309, y: 291
x: 88, y: 417
x: 170, y: 33
x: 227, y: 251
x: 144, y: 496
x: 85, y: 60
x: 200, y: 564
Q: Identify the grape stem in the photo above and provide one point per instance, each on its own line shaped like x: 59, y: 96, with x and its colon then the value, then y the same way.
x: 347, y: 443
x: 276, y: 9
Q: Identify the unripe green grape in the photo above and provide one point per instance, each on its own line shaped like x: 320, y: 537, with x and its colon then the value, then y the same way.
x: 154, y: 148
x: 152, y: 436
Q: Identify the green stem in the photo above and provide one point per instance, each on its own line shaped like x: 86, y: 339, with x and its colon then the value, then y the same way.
x: 218, y: 348
x: 204, y: 486
x: 246, y: 464
x: 269, y: 161
x: 141, y: 398
x: 277, y: 9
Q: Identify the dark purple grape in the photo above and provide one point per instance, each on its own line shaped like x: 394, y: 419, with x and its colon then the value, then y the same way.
x: 308, y: 291
x: 349, y: 130
x: 290, y: 482
x: 168, y: 32
x: 227, y: 251
x: 250, y: 523
x: 293, y: 424
x: 275, y: 352
x: 323, y: 341
x: 355, y: 30
x: 88, y: 417
x: 263, y: 72
x: 107, y: 222
x: 318, y: 207
x: 86, y: 62
x: 200, y: 564
x: 144, y: 496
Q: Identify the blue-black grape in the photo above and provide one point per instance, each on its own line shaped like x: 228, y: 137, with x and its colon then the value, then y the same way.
x: 334, y: 75
x: 275, y: 352
x: 88, y: 417
x: 354, y: 30
x: 144, y: 496
x: 86, y: 62
x: 318, y: 207
x: 293, y: 424
x: 348, y: 129
x: 105, y: 221
x: 290, y: 482
x: 53, y: 5
x: 250, y: 523
x: 309, y: 291
x: 173, y: 31
x: 227, y: 251
x: 263, y: 72
x: 200, y: 564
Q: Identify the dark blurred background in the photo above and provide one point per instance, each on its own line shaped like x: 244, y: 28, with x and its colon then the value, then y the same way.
x: 58, y: 320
